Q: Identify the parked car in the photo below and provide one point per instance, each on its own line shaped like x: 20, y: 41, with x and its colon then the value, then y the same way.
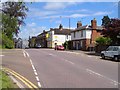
x: 38, y: 46
x: 111, y: 52
x: 59, y: 47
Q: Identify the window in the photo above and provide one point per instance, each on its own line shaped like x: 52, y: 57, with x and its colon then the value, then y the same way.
x: 74, y: 34
x: 115, y: 49
x: 67, y: 36
x: 82, y: 33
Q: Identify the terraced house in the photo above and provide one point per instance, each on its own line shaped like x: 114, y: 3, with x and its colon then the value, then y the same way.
x: 83, y: 37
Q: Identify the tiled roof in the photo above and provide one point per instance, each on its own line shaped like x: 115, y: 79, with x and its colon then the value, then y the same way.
x: 87, y: 27
x: 61, y: 32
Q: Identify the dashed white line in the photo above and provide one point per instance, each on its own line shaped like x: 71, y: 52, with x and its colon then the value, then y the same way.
x: 24, y: 54
x: 95, y: 73
x: 37, y: 78
x: 39, y: 84
x: 27, y: 54
x: 2, y: 55
x: 35, y: 73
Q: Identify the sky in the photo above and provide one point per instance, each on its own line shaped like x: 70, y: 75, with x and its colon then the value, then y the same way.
x: 45, y: 15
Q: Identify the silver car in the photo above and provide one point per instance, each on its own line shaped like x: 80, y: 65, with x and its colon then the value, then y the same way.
x: 111, y: 52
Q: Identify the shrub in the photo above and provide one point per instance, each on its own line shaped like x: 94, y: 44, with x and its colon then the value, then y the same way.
x: 103, y: 41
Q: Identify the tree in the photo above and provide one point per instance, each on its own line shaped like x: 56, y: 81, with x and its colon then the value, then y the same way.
x: 105, y: 21
x: 112, y: 30
x: 103, y: 41
x: 13, y: 15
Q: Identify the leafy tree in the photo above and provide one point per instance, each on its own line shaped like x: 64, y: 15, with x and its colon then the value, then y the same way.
x: 105, y: 21
x: 112, y: 30
x: 13, y: 15
x: 103, y: 41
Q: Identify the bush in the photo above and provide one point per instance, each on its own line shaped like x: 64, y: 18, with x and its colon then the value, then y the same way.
x: 103, y: 41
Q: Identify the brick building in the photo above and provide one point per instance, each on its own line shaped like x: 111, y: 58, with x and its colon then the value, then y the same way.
x: 41, y: 39
x: 83, y: 37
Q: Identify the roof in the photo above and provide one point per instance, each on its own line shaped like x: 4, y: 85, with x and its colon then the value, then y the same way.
x: 61, y: 32
x: 87, y: 27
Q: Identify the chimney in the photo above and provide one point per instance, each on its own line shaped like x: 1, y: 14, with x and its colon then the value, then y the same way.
x: 94, y: 23
x: 79, y: 24
x: 60, y: 27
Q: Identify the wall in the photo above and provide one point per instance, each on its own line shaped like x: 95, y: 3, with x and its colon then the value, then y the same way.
x: 86, y: 35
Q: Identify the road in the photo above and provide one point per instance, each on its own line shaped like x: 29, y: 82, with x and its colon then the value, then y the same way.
x: 48, y: 68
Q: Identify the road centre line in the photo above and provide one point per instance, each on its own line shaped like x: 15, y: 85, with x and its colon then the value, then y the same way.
x: 35, y: 72
x: 2, y: 55
x: 24, y: 54
x: 37, y: 78
x: 39, y: 84
x: 95, y: 73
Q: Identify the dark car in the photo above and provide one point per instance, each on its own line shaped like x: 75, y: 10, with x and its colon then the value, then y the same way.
x: 59, y: 47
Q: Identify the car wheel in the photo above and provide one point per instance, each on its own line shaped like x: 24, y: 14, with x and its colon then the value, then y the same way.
x: 103, y: 56
x: 115, y: 58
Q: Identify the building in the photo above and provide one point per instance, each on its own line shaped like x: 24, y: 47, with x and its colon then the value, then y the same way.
x: 41, y: 39
x: 32, y: 41
x: 83, y: 37
x: 25, y: 43
x: 57, y: 36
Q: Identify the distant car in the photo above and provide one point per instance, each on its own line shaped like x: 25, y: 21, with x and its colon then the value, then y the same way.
x: 26, y: 47
x: 111, y: 52
x: 59, y: 47
x: 38, y: 46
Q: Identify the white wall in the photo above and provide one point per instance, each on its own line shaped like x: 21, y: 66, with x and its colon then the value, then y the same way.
x: 86, y: 35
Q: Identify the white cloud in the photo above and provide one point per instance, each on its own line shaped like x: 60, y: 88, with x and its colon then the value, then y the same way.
x: 101, y: 13
x: 63, y: 0
x: 31, y: 24
x: 31, y: 31
x: 54, y: 5
x: 57, y: 5
x: 78, y: 15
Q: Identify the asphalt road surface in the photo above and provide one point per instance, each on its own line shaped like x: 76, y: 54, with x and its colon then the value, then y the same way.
x: 61, y: 69
x: 48, y: 68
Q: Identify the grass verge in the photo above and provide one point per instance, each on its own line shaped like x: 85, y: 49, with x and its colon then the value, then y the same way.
x: 6, y: 81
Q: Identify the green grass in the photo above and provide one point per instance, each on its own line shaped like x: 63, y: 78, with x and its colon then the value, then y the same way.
x: 6, y: 81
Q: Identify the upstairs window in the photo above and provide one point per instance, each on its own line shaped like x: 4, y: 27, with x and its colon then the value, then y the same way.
x: 74, y: 34
x: 82, y: 33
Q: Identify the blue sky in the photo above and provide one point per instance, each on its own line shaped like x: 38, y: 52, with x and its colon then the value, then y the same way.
x: 45, y: 15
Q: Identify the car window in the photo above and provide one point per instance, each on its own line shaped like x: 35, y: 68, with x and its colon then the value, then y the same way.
x: 115, y: 49
x: 109, y: 49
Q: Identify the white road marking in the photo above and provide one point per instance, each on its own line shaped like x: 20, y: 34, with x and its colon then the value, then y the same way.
x: 68, y: 61
x: 34, y: 70
x: 39, y: 84
x: 27, y: 54
x: 52, y: 55
x: 95, y: 73
x: 37, y: 78
x: 90, y: 56
x: 24, y: 54
x: 35, y: 73
x: 2, y: 55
